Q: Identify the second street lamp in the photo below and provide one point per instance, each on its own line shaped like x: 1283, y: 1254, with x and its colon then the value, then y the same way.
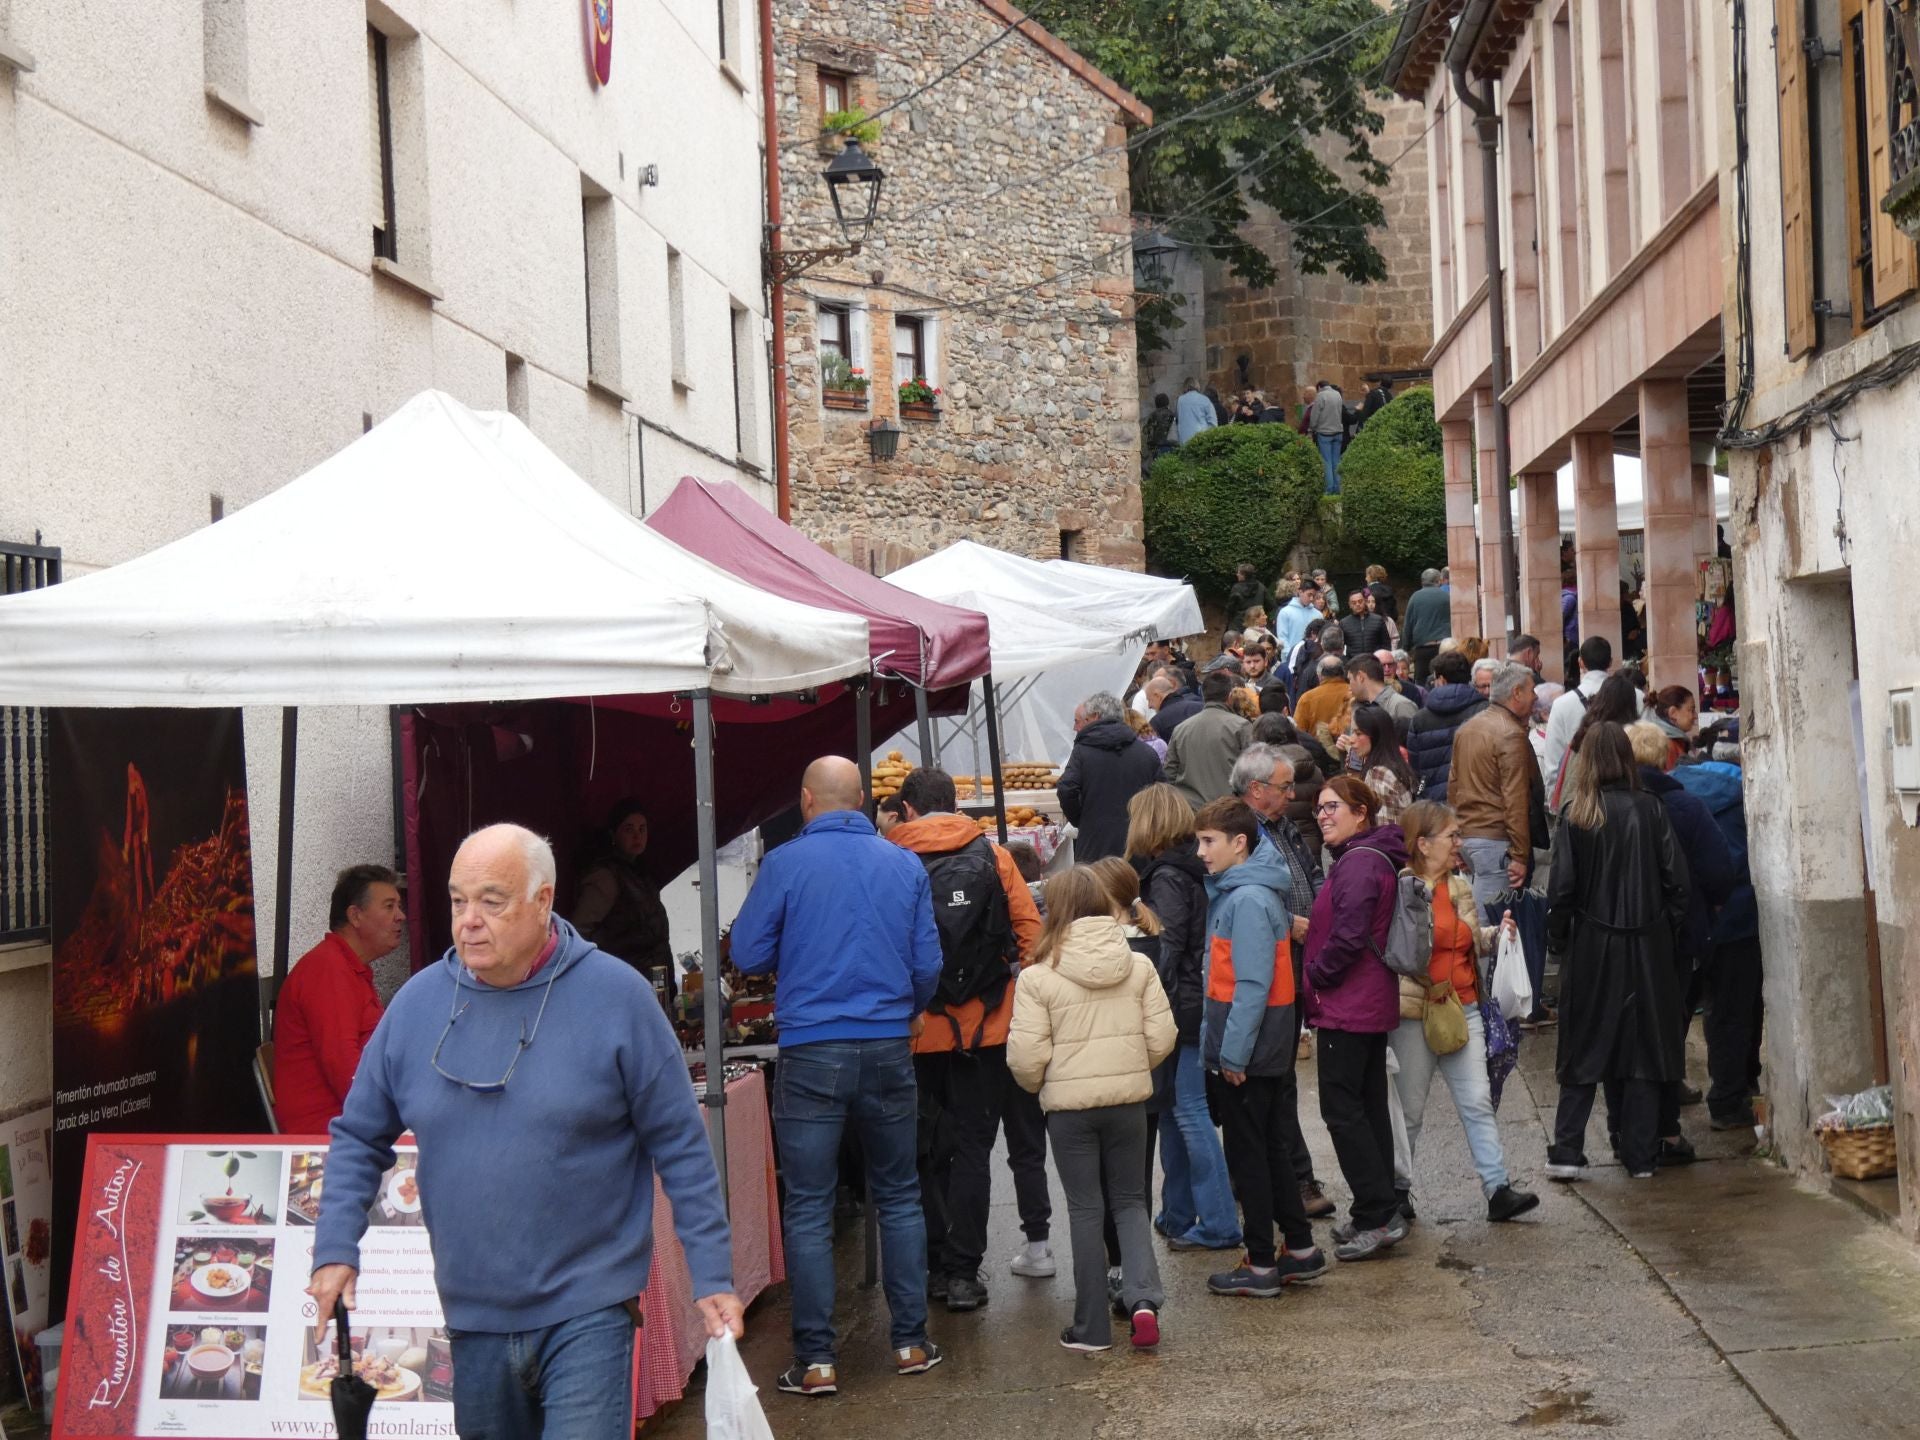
x: 853, y: 183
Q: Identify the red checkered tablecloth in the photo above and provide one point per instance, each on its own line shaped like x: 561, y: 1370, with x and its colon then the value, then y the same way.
x: 675, y: 1339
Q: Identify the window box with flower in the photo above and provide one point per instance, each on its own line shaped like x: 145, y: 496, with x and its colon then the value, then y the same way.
x: 919, y: 400
x: 843, y: 385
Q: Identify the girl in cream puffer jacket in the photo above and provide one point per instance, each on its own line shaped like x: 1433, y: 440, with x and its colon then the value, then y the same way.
x: 1090, y: 1023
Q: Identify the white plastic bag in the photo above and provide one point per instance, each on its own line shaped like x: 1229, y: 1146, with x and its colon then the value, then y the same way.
x: 733, y: 1402
x: 1512, y: 988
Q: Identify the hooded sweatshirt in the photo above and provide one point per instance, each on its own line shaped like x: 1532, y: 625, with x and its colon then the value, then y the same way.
x: 942, y: 834
x: 1090, y: 1025
x: 539, y: 1197
x: 1248, y: 1025
x: 1349, y: 986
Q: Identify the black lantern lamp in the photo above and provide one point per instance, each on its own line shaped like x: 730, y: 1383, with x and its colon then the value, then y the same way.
x: 883, y: 438
x: 854, y: 182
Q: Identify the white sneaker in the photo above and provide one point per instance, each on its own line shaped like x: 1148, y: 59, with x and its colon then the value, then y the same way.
x: 1035, y: 1261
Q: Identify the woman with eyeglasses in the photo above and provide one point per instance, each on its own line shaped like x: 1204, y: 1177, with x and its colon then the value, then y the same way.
x: 1353, y: 1004
x: 1372, y: 749
x: 1461, y: 945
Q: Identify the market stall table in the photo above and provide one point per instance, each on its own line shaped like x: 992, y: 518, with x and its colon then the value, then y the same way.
x: 675, y: 1337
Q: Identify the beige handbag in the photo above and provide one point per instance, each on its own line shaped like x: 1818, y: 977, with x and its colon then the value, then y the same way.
x: 1446, y: 1019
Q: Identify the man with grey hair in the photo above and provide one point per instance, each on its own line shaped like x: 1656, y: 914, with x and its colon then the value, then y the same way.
x: 1108, y: 767
x: 538, y: 1285
x: 1483, y: 671
x: 1263, y: 777
x: 1428, y: 620
x: 1490, y: 785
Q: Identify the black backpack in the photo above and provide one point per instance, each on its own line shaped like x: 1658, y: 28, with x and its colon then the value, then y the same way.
x: 979, y: 954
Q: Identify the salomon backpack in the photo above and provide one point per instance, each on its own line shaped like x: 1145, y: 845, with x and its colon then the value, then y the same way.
x: 1409, y: 949
x: 979, y: 955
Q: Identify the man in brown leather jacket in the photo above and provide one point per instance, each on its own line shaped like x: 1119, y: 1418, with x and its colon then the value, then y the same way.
x: 1489, y: 785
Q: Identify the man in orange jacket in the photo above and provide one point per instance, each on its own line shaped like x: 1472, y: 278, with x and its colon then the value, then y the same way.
x: 988, y: 923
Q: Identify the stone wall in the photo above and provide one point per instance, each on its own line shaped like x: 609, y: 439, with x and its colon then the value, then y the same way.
x: 1024, y: 290
x: 1307, y: 328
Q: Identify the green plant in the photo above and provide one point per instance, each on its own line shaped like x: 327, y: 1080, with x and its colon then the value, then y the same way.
x: 1238, y: 492
x: 837, y: 372
x: 852, y: 123
x: 918, y: 392
x: 1393, y: 489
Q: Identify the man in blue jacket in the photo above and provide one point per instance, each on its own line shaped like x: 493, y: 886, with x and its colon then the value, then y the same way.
x: 536, y: 1160
x: 845, y: 919
x: 1734, y: 1005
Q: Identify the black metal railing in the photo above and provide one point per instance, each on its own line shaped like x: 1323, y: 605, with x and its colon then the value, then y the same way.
x: 23, y: 772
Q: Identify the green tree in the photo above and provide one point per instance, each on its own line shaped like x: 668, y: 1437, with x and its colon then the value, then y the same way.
x: 1393, y: 487
x: 1238, y: 492
x: 1300, y: 143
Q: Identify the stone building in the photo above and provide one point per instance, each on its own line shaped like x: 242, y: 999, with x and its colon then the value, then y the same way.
x: 999, y: 271
x: 1825, y: 426
x: 234, y: 233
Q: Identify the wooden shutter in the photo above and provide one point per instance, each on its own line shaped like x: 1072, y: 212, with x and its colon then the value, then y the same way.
x: 1796, y: 177
x: 1894, y: 267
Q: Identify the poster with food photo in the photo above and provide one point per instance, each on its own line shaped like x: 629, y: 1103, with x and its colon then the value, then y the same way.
x: 26, y: 1237
x: 213, y: 1362
x: 225, y: 1188
x: 402, y: 1363
x: 221, y: 1274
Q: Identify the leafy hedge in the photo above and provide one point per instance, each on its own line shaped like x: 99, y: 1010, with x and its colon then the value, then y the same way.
x: 1393, y: 497
x: 1231, y: 494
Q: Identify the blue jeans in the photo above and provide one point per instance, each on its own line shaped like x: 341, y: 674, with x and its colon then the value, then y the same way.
x: 1465, y: 1072
x: 1487, y: 864
x: 1196, y: 1199
x: 818, y: 1091
x: 1330, y: 454
x: 571, y: 1381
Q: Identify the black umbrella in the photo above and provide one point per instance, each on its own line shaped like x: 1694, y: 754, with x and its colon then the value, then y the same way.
x: 352, y: 1397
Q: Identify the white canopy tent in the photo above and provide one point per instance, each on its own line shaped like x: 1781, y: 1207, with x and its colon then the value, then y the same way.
x: 446, y: 555
x: 1060, y: 631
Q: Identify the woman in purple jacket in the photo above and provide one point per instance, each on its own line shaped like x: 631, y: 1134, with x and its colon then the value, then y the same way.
x: 1353, y: 1004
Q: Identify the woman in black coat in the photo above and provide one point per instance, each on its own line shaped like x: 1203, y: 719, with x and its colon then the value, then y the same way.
x: 1615, y: 912
x: 1196, y: 1201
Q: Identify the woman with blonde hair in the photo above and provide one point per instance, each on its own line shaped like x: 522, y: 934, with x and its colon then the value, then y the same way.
x: 1090, y: 1024
x: 1196, y: 1198
x: 1458, y: 973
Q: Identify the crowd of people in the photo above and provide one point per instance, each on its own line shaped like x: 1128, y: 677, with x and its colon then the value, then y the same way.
x: 1323, y: 415
x: 1302, y: 847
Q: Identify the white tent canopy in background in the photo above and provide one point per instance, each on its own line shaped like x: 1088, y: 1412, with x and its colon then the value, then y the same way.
x: 1059, y: 632
x: 445, y: 555
x: 1629, y: 496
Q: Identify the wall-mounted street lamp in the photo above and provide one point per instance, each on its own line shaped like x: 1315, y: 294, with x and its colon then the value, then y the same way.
x: 883, y: 439
x: 854, y: 183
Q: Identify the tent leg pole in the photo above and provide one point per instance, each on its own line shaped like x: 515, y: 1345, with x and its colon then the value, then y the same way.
x: 283, y: 860
x: 715, y: 1098
x: 994, y: 757
x: 923, y: 726
x: 863, y: 741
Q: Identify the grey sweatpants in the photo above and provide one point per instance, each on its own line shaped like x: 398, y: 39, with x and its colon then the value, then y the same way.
x: 1091, y: 1146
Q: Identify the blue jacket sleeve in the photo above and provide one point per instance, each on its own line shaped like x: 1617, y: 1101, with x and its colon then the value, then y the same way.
x: 362, y: 1149
x: 666, y: 1117
x: 756, y: 929
x: 1255, y: 945
x: 926, y: 958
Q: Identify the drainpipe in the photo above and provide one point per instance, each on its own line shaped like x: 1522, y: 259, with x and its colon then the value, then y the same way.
x: 1486, y: 122
x: 776, y: 288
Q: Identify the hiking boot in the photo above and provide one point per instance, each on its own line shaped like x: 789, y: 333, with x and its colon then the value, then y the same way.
x: 1245, y: 1281
x: 1366, y: 1245
x: 1314, y: 1200
x: 1298, y: 1269
x: 1738, y: 1120
x: 1397, y: 1228
x: 936, y: 1287
x: 917, y: 1359
x: 1678, y: 1151
x: 809, y: 1380
x: 1689, y: 1095
x: 1085, y: 1347
x: 1343, y: 1232
x: 1508, y: 1203
x: 1146, y: 1328
x: 1035, y: 1261
x: 965, y: 1292
x: 1565, y: 1165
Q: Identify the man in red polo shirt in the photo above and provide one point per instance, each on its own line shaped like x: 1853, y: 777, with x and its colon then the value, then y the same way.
x: 328, y: 1007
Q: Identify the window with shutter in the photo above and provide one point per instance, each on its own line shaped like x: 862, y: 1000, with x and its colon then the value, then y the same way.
x: 1889, y: 106
x: 1796, y: 178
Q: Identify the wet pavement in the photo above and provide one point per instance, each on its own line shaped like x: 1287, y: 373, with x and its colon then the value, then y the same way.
x: 1721, y: 1300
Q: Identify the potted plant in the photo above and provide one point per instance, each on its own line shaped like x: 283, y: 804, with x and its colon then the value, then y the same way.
x: 849, y: 124
x: 843, y: 385
x: 919, y: 400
